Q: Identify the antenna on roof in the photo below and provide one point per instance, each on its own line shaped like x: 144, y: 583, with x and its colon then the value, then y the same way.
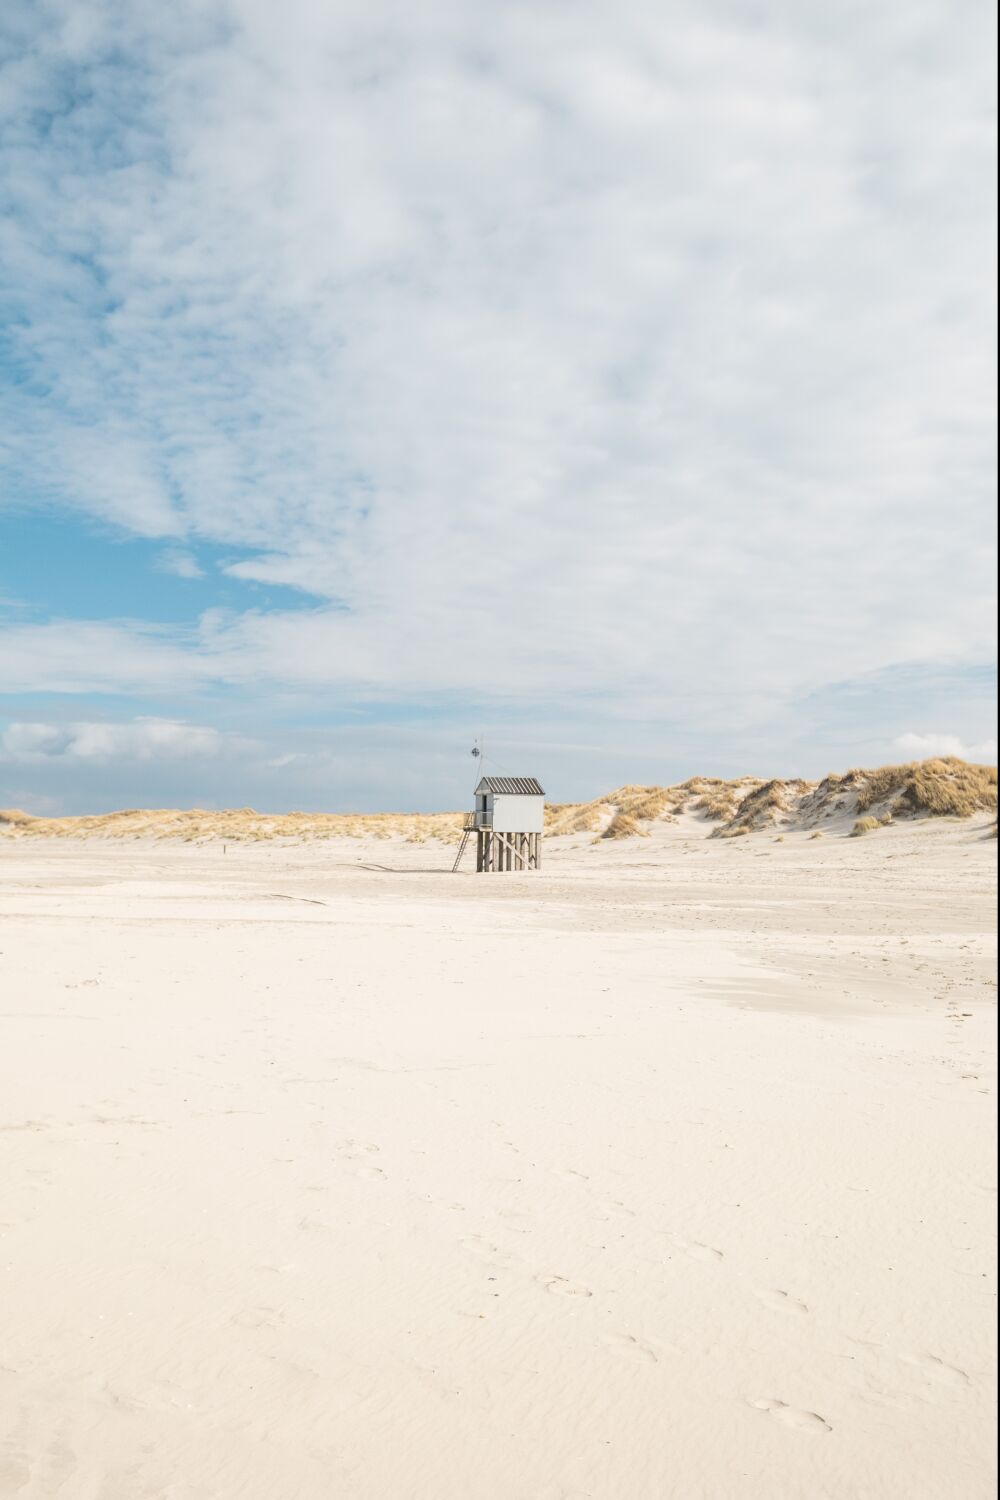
x: 478, y: 752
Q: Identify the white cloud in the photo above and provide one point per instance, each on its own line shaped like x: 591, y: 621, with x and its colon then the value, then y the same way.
x: 89, y: 656
x: 633, y: 353
x: 926, y: 746
x: 142, y: 739
x: 180, y: 563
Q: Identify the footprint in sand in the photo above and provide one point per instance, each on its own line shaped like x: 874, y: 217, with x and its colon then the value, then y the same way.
x: 560, y: 1287
x: 351, y: 1150
x: 257, y: 1317
x: 629, y: 1345
x: 938, y: 1370
x: 697, y: 1251
x: 15, y: 1473
x: 781, y: 1301
x: 793, y: 1416
x: 484, y: 1250
x: 614, y: 1206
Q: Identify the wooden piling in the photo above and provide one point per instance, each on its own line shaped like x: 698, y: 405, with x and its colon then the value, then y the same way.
x: 496, y: 852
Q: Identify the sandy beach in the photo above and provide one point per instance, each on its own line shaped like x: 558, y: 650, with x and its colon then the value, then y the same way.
x: 664, y: 1172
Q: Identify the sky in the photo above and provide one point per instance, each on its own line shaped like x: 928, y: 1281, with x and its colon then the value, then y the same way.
x: 612, y: 383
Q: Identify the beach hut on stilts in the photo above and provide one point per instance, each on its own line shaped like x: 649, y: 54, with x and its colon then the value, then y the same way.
x: 507, y: 821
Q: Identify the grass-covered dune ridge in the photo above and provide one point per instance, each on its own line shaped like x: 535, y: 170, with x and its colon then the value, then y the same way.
x: 716, y: 807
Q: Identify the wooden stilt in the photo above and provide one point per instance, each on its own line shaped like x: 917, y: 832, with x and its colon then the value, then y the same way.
x: 496, y: 852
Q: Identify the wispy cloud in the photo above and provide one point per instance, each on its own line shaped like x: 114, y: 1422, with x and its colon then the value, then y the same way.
x: 602, y: 353
x: 180, y: 563
x: 922, y: 746
x: 144, y: 738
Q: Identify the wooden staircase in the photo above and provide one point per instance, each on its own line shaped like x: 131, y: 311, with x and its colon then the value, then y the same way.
x: 467, y: 833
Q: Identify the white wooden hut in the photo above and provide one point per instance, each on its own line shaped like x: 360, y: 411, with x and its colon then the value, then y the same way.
x: 509, y: 819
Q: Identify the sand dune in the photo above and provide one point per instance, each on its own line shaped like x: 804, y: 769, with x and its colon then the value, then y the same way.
x: 235, y: 825
x: 924, y: 789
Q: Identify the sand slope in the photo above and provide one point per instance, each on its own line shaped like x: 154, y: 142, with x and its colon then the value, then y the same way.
x: 665, y: 1172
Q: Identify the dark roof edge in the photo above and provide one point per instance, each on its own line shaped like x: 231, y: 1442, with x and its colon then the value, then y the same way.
x: 512, y: 786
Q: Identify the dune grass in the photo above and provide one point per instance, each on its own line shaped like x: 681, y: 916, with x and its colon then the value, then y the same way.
x: 943, y: 787
x: 623, y: 826
x: 240, y: 825
x: 764, y: 805
x: 575, y: 817
x: 940, y: 788
x: 716, y: 805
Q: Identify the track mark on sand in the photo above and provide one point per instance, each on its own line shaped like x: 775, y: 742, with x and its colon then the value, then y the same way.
x: 559, y: 1286
x: 781, y: 1301
x: 793, y: 1416
x: 938, y: 1369
x: 629, y: 1345
x: 697, y: 1251
x: 355, y: 1156
x: 257, y: 1317
x: 15, y: 1473
x: 352, y: 1150
x: 613, y: 1206
x: 484, y: 1250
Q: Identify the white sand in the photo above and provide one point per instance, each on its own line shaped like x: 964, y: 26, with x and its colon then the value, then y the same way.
x: 667, y: 1172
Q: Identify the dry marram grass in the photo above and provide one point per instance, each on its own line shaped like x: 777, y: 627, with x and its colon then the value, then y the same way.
x: 624, y: 826
x: 242, y: 825
x: 716, y: 805
x: 944, y: 787
x: 570, y: 818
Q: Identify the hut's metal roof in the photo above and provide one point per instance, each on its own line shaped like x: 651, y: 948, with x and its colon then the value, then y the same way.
x: 511, y: 786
